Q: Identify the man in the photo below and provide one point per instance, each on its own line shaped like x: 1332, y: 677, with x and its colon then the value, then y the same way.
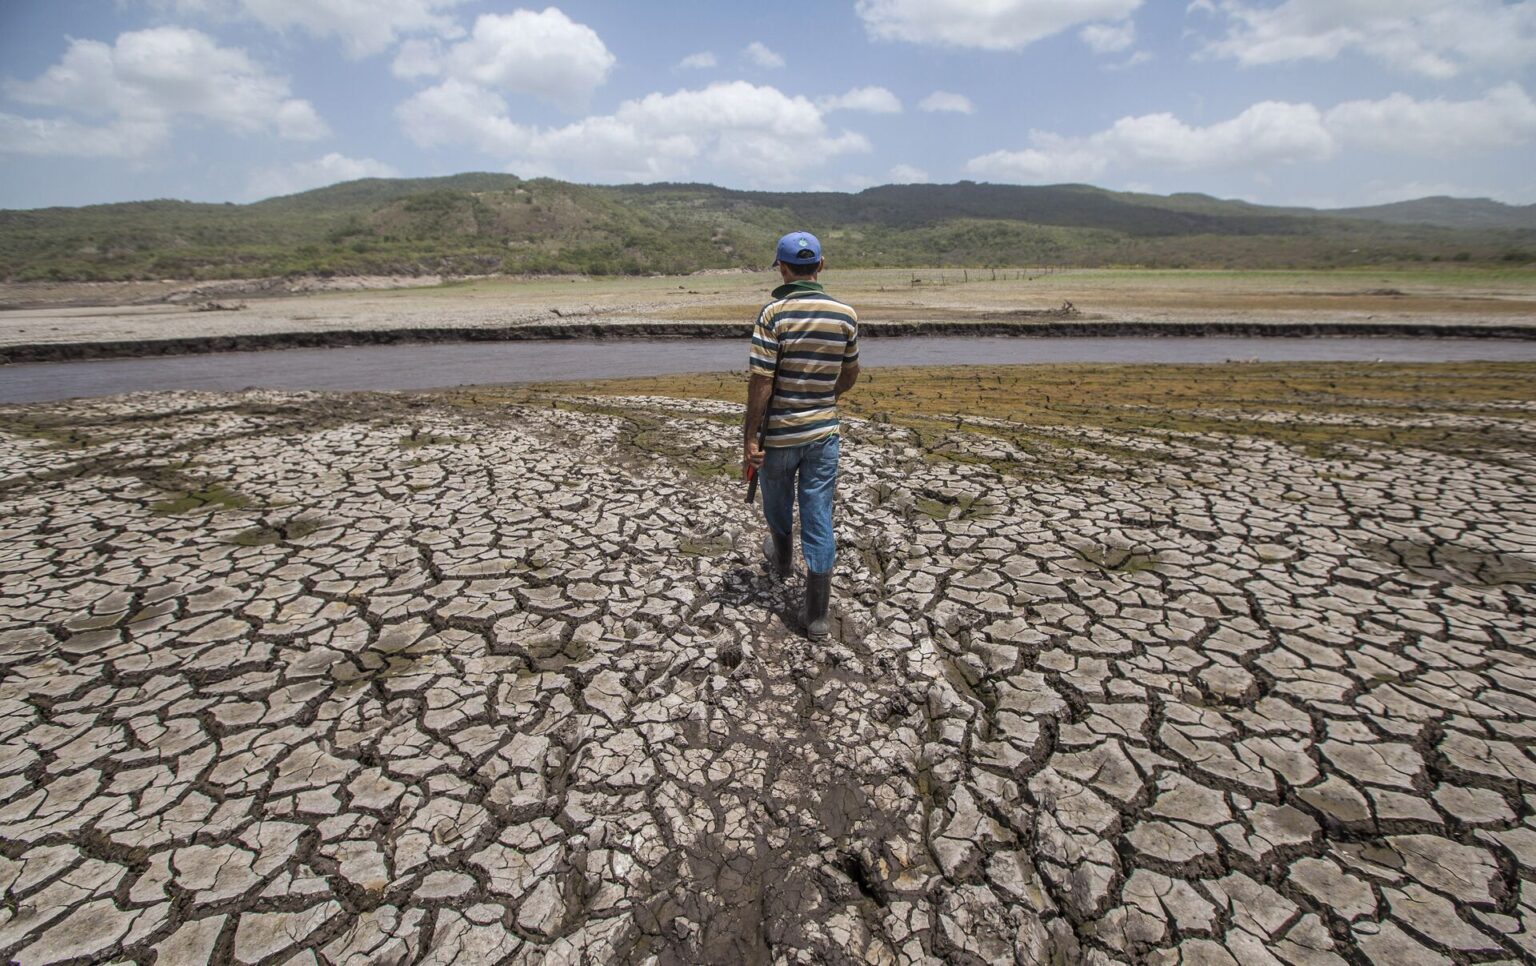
x: 805, y: 353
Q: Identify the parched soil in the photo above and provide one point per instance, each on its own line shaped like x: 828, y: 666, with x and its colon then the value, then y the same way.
x: 1185, y: 664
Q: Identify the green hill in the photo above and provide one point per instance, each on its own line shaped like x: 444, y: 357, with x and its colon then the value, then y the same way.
x: 482, y: 223
x: 1474, y: 213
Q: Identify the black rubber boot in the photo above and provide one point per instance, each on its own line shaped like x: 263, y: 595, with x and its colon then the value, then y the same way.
x: 777, y: 550
x: 818, y: 593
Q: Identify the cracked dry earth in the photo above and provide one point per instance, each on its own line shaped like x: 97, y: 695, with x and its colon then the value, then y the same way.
x: 295, y: 678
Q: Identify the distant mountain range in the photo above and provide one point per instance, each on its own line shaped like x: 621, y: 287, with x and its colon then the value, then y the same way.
x: 1474, y: 213
x: 481, y: 223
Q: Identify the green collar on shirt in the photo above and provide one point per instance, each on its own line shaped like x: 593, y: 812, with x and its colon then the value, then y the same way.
x: 795, y: 288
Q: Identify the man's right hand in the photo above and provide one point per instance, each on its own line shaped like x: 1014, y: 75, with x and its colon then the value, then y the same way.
x: 751, y: 458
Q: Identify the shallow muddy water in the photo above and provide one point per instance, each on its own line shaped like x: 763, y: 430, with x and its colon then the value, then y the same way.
x: 430, y: 366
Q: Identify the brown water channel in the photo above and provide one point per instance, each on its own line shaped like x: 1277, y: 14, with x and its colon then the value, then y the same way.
x: 431, y: 366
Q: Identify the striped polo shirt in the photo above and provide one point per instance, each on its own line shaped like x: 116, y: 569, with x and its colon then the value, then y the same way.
x: 807, y: 337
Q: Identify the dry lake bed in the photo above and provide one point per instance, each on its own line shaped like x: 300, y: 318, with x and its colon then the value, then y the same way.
x: 1220, y: 664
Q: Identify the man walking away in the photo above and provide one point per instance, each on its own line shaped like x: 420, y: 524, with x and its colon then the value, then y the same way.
x: 805, y: 353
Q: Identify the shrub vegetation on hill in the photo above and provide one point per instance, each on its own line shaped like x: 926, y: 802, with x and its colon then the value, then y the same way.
x: 488, y: 223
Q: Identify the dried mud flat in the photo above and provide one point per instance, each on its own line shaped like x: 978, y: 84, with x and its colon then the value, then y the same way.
x: 300, y: 678
x: 62, y: 321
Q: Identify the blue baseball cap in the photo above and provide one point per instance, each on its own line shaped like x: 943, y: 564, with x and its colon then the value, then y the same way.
x: 798, y: 248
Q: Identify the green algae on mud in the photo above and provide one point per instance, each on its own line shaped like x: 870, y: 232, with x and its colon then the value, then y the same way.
x: 417, y: 440
x: 263, y: 536
x: 708, y: 545
x: 940, y: 506
x: 214, y: 496
x: 1119, y: 560
x: 52, y: 433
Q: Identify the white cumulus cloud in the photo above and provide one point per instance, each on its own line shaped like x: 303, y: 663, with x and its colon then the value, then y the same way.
x: 543, y: 54
x: 363, y: 26
x: 988, y: 25
x: 304, y: 175
x: 908, y: 174
x: 1040, y: 166
x: 1266, y: 133
x: 1272, y: 133
x: 66, y: 138
x: 703, y: 60
x: 946, y: 101
x: 455, y: 112
x: 1504, y: 117
x: 759, y: 54
x: 736, y: 127
x: 1106, y: 38
x: 875, y: 100
x: 1429, y: 37
x: 146, y: 80
x: 418, y: 58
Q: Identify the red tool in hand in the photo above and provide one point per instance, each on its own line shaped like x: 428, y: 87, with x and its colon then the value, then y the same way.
x: 762, y: 427
x: 752, y: 470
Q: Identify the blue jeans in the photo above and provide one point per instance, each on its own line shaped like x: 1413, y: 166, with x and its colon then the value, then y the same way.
x: 815, y: 466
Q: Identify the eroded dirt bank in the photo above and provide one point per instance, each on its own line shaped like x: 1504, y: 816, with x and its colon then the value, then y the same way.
x: 596, y: 331
x: 484, y: 677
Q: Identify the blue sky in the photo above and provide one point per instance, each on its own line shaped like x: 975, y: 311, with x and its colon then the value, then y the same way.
x: 1322, y: 103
